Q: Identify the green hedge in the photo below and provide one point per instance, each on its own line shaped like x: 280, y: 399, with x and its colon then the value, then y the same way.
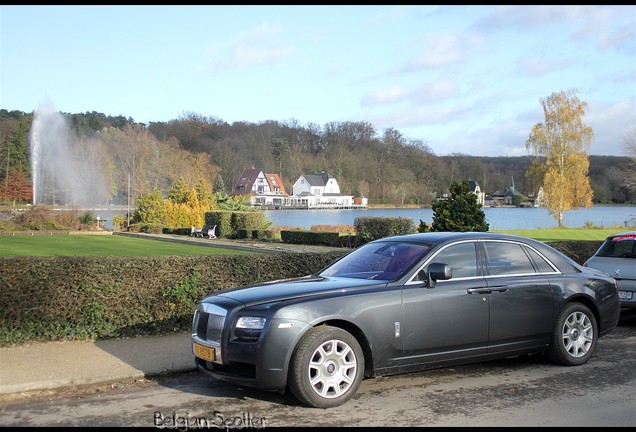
x: 309, y: 237
x: 373, y: 228
x: 579, y: 250
x: 228, y: 223
x: 56, y: 298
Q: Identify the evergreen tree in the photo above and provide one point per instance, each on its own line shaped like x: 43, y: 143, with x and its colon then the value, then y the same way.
x: 422, y: 227
x: 150, y: 208
x: 179, y: 192
x: 219, y: 185
x: 460, y: 212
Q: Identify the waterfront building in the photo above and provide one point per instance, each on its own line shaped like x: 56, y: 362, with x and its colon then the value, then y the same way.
x: 315, y: 191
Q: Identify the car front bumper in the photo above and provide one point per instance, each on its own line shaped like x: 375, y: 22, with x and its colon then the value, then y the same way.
x: 259, y: 364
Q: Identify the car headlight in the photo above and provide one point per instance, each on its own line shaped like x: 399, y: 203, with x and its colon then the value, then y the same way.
x: 249, y: 327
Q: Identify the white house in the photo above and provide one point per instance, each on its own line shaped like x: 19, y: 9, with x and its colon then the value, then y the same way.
x: 474, y: 188
x: 319, y: 191
x: 309, y: 192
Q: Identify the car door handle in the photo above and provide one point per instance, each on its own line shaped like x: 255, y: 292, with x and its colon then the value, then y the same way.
x: 479, y: 290
x: 500, y: 289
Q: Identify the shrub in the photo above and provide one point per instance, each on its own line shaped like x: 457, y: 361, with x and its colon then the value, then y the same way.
x: 88, y: 217
x: 373, y: 228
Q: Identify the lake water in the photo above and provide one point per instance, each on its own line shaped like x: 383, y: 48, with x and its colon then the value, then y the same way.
x: 497, y: 217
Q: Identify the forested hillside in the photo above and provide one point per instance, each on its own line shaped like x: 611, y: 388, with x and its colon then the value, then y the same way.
x: 384, y: 166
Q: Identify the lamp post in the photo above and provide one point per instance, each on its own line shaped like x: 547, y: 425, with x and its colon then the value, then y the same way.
x: 128, y: 213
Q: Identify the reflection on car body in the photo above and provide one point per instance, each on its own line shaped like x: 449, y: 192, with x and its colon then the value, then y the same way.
x: 403, y: 304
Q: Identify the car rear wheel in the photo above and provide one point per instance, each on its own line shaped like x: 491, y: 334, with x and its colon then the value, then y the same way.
x: 327, y: 367
x: 574, y: 337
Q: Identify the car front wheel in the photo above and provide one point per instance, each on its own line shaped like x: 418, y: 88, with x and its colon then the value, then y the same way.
x: 327, y: 367
x: 574, y: 337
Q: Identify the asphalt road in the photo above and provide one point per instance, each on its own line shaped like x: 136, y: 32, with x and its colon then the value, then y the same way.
x: 524, y: 391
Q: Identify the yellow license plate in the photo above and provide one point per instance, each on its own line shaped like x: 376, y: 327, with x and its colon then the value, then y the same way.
x: 206, y: 353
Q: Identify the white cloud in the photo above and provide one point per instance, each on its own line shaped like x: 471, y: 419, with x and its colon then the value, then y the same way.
x: 257, y: 46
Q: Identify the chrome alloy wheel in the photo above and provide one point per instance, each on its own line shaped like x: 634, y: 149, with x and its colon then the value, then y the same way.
x: 578, y: 334
x: 332, y: 369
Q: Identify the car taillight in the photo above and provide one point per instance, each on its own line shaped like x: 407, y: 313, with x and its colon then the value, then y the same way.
x: 625, y: 237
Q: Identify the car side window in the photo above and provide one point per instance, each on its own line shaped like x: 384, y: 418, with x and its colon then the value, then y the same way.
x: 461, y: 257
x: 505, y: 258
x: 542, y: 265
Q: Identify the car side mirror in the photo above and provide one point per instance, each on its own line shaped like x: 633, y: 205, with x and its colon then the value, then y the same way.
x: 435, y: 272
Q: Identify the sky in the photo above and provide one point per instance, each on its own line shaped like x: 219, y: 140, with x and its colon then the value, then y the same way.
x: 461, y: 79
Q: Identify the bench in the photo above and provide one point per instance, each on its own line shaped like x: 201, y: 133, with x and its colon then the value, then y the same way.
x: 196, y: 232
x: 208, y: 230
x: 212, y: 232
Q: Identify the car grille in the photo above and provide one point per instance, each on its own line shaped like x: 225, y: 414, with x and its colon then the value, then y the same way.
x: 208, y: 323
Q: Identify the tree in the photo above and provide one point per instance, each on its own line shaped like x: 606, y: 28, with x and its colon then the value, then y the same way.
x: 219, y: 185
x: 18, y: 142
x: 16, y: 187
x: 460, y: 212
x: 629, y: 147
x: 280, y: 150
x: 562, y: 140
x: 179, y: 192
x: 150, y: 208
x: 237, y: 203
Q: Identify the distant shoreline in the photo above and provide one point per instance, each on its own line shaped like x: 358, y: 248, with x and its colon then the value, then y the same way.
x: 118, y: 207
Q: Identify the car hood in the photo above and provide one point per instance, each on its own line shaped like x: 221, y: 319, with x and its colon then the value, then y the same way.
x: 284, y: 289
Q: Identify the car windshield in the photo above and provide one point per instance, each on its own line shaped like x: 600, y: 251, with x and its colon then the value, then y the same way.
x: 378, y: 260
x: 623, y: 246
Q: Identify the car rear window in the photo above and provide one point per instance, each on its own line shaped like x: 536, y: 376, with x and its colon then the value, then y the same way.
x: 623, y: 246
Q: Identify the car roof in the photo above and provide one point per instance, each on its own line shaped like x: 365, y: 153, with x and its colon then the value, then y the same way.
x: 558, y: 258
x: 443, y: 236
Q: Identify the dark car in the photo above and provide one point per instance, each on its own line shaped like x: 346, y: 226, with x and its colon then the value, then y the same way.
x: 617, y: 257
x: 402, y: 304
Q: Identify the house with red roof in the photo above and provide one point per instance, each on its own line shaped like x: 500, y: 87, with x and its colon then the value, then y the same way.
x: 264, y: 189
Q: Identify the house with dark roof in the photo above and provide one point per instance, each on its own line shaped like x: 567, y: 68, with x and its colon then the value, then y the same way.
x: 320, y: 191
x: 473, y: 186
x: 264, y: 189
x: 508, y: 197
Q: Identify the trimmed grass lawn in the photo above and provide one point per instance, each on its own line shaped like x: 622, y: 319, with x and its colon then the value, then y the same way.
x: 561, y: 234
x: 99, y: 245
x: 110, y: 245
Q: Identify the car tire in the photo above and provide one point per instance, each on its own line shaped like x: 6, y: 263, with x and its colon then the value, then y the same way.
x: 574, y: 337
x: 327, y: 367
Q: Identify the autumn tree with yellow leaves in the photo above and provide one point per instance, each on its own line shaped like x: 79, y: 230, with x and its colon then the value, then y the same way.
x: 560, y: 144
